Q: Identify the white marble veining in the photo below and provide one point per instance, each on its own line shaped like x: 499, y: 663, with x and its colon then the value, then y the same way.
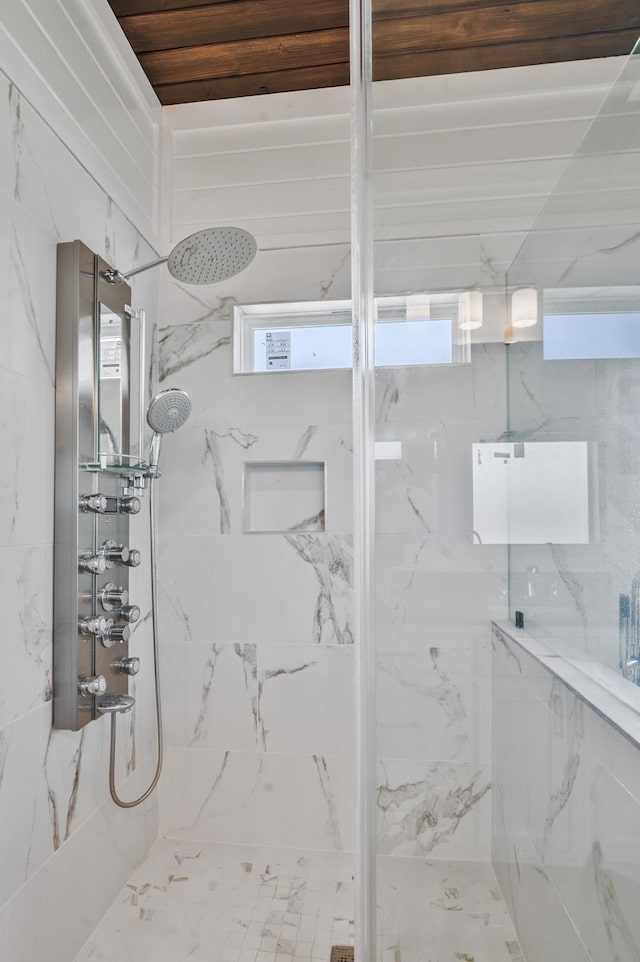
x: 305, y: 698
x: 300, y: 589
x: 26, y: 429
x: 566, y: 801
x: 431, y: 703
x: 26, y: 600
x: 211, y: 695
x: 118, y: 841
x: 571, y: 600
x: 429, y: 593
x: 439, y: 809
x: 289, y: 598
x: 204, y: 483
x: 222, y: 401
x: 298, y: 800
x: 53, y: 784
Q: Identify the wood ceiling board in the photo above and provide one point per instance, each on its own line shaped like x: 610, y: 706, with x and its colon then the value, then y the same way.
x: 247, y: 56
x: 219, y: 24
x: 214, y: 49
x: 494, y: 57
x: 391, y: 9
x: 521, y: 23
x: 250, y: 85
x: 124, y: 8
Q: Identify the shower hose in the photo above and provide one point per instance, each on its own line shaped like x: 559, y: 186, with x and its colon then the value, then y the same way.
x: 156, y: 671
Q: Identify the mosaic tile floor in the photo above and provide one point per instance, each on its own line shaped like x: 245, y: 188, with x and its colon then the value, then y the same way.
x: 193, y: 902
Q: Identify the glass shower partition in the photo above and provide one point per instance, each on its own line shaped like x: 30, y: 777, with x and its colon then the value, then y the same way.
x: 430, y: 397
x: 574, y: 398
x: 491, y: 477
x: 565, y: 679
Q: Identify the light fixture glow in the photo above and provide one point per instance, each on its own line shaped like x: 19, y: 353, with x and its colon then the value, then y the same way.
x: 524, y: 307
x: 470, y: 309
x: 418, y: 307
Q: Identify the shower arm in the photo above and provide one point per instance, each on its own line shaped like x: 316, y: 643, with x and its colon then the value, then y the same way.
x: 115, y: 277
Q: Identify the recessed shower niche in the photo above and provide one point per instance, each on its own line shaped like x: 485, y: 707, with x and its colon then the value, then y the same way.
x: 284, y: 496
x: 98, y: 482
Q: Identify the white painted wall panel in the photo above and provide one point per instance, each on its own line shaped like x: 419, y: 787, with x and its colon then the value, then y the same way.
x: 453, y: 155
x: 400, y: 152
x: 70, y: 59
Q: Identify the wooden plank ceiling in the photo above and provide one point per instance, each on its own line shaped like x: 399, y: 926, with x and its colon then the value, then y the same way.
x: 213, y: 49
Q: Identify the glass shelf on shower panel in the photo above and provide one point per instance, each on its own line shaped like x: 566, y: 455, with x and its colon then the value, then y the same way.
x: 122, y: 465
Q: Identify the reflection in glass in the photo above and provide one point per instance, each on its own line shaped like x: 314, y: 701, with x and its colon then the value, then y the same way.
x: 531, y: 493
x: 113, y: 384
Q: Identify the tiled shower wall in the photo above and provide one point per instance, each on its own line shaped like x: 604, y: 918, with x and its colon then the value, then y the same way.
x: 65, y: 849
x: 255, y: 628
x: 566, y: 809
x: 569, y: 593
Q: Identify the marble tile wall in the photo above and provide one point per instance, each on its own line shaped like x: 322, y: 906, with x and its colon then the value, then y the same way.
x: 57, y: 825
x: 435, y: 590
x: 569, y: 593
x: 566, y: 804
x: 257, y: 628
x: 587, y: 236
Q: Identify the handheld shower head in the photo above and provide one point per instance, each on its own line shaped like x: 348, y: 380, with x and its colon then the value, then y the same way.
x: 167, y: 412
x: 206, y: 257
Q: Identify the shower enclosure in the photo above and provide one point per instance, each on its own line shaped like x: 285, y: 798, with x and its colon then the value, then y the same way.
x: 497, y: 482
x: 348, y: 744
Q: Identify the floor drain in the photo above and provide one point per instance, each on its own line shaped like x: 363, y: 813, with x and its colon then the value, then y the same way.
x: 342, y: 953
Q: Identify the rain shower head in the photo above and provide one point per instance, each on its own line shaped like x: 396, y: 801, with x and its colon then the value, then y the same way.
x: 167, y: 412
x: 206, y: 257
x: 213, y: 255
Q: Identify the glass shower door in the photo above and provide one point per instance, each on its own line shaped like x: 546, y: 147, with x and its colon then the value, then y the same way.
x: 449, y: 173
x: 430, y: 400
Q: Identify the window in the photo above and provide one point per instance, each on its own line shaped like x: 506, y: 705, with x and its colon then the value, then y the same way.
x: 592, y: 323
x: 310, y: 336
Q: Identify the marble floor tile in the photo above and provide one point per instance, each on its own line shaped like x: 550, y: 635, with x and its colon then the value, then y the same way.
x: 208, y: 902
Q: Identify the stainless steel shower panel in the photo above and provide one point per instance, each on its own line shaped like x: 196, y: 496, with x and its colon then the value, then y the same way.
x: 92, y: 497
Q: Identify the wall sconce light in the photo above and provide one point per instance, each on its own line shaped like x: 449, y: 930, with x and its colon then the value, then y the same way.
x: 524, y: 307
x: 470, y: 310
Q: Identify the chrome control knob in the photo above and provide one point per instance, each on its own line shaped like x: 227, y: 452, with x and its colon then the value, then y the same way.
x: 129, y: 613
x: 115, y: 553
x: 130, y: 505
x: 130, y: 666
x: 93, y: 502
x: 115, y: 633
x: 92, y: 564
x: 113, y: 596
x: 93, y: 685
x: 134, y: 558
x: 93, y: 626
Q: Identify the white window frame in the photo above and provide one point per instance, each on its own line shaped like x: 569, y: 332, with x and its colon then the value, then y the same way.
x: 250, y: 318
